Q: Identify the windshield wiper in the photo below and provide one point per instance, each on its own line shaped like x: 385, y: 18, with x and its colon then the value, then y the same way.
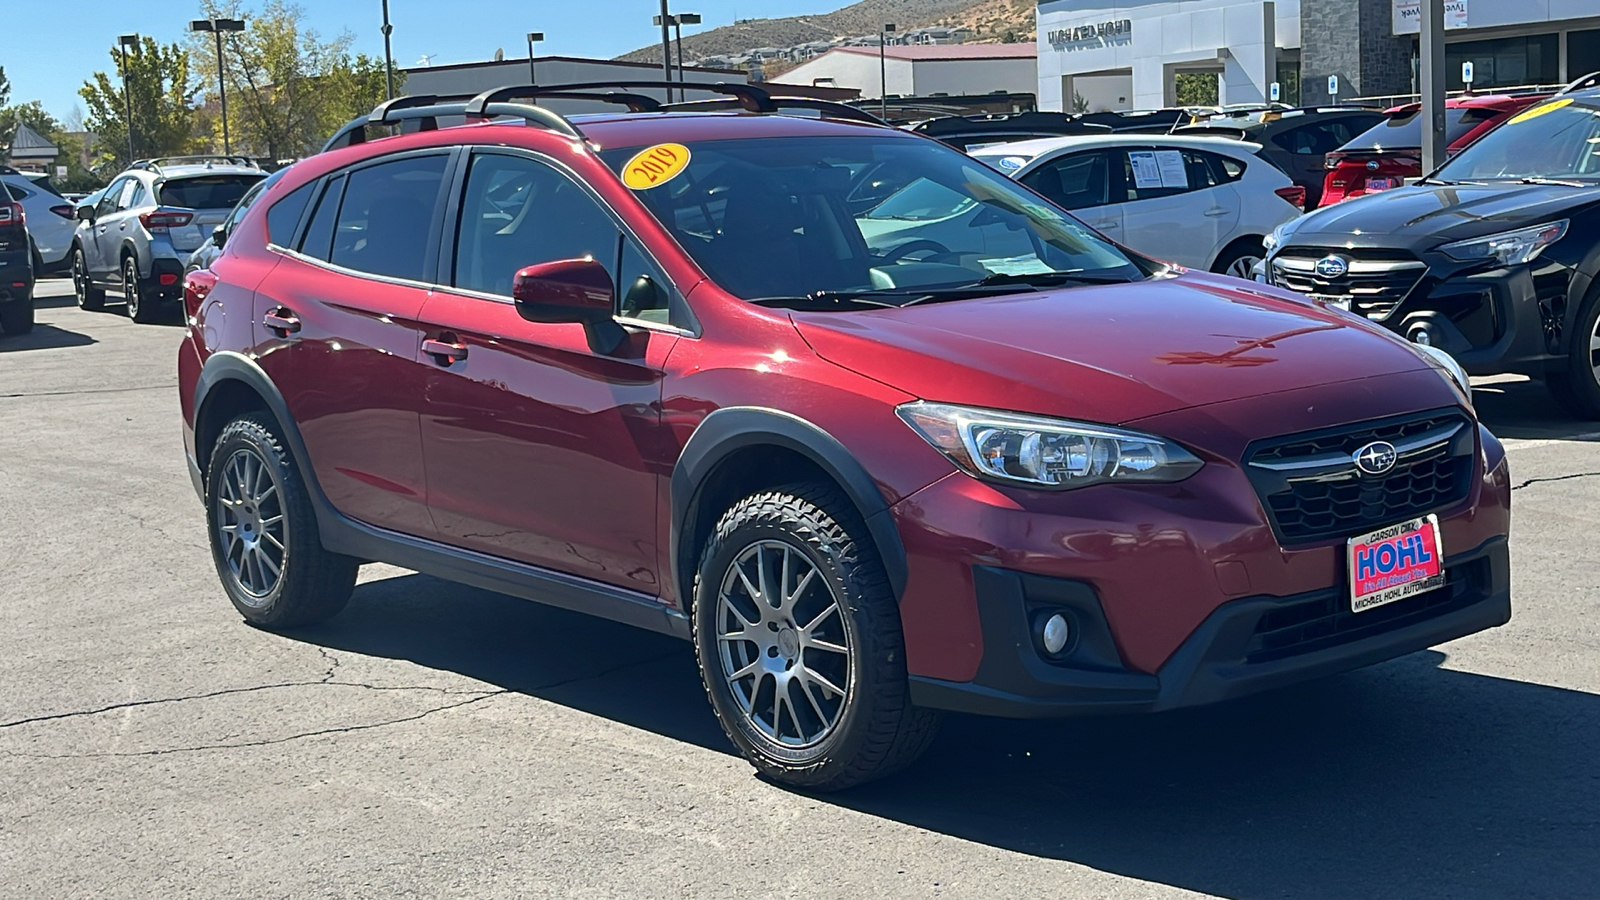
x: 827, y: 300
x: 1557, y: 181
x: 1005, y: 283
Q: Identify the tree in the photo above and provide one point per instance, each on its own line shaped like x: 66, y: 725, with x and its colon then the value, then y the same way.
x: 1196, y: 88
x: 161, y: 96
x: 31, y: 114
x: 5, y: 87
x: 288, y: 89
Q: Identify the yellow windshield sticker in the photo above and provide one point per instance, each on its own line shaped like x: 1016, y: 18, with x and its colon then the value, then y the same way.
x: 1538, y: 111
x: 655, y: 166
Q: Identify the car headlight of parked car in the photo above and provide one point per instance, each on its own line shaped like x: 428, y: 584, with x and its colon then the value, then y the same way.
x: 1449, y: 365
x: 1279, y: 235
x: 1041, y: 452
x: 1508, y: 248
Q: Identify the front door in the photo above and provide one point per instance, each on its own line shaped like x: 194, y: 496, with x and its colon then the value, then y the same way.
x: 1080, y: 183
x: 108, y: 229
x: 539, y: 449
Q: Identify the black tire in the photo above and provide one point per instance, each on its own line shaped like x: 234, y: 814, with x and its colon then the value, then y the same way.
x: 89, y: 297
x: 1239, y: 253
x: 875, y: 730
x: 311, y: 584
x: 141, y: 308
x: 1578, y: 388
x: 16, y: 317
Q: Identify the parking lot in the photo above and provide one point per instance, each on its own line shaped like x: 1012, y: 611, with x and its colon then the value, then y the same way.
x: 443, y: 741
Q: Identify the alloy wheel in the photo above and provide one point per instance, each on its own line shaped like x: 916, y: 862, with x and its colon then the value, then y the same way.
x: 784, y: 644
x: 130, y: 287
x: 1243, y: 267
x: 80, y: 278
x: 251, y: 525
x: 1594, y: 352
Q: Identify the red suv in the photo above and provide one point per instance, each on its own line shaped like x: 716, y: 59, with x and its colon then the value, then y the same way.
x: 1390, y: 152
x: 667, y: 366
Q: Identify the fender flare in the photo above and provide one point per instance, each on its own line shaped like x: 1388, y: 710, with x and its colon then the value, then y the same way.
x: 733, y: 428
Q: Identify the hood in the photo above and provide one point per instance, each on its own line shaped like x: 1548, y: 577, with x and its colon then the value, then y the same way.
x: 1424, y: 216
x: 1110, y: 353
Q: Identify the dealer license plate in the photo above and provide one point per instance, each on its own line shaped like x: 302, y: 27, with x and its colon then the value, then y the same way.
x: 1395, y: 563
x: 1382, y: 184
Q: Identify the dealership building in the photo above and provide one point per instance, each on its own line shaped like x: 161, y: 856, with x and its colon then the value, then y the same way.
x: 1128, y: 55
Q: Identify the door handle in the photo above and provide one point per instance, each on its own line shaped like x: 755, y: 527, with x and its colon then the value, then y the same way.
x: 1217, y: 211
x: 1109, y: 224
x: 281, y: 322
x: 444, y: 352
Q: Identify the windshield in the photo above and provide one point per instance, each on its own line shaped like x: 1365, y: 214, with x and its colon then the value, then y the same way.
x: 1404, y: 131
x: 796, y: 217
x: 1555, y: 140
x: 207, y: 191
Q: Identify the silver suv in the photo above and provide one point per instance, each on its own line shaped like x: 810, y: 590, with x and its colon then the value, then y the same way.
x: 150, y: 218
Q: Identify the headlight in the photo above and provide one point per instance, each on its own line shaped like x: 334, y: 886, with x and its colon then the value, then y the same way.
x: 1449, y: 364
x: 1279, y: 235
x: 1508, y: 248
x: 1047, y: 453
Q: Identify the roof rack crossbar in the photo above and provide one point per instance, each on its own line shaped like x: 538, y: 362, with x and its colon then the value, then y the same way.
x: 750, y: 96
x: 154, y: 164
x: 837, y: 110
x: 354, y: 132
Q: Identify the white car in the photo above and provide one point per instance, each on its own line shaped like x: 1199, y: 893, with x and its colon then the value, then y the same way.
x: 1201, y: 202
x: 52, y: 219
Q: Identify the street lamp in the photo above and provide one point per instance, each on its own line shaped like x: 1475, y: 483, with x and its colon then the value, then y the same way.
x: 388, y: 55
x: 883, y: 71
x: 677, y: 22
x: 533, y: 38
x: 664, y: 20
x: 123, y: 43
x: 217, y: 27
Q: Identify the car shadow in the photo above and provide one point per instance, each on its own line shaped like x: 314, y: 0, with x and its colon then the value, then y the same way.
x: 1403, y: 779
x: 43, y: 337
x: 1515, y: 407
x: 54, y: 301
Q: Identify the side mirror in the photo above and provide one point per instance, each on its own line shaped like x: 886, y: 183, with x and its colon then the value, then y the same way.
x: 219, y: 235
x: 86, y: 212
x: 571, y: 290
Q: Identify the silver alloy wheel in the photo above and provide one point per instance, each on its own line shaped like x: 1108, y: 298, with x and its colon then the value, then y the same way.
x: 251, y: 525
x: 80, y: 277
x: 130, y: 286
x: 783, y: 644
x: 1243, y: 267
x: 1594, y: 352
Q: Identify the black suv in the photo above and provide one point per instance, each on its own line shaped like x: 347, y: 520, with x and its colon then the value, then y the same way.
x: 16, y: 267
x: 1492, y: 258
x: 1296, y: 140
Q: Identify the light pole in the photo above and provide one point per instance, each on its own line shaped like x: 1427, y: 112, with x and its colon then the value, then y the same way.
x: 533, y: 38
x: 666, y: 45
x: 217, y: 27
x: 388, y: 55
x: 883, y: 71
x: 678, y: 21
x: 123, y: 43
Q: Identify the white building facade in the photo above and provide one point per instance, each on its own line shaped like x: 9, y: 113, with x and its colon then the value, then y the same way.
x: 923, y: 70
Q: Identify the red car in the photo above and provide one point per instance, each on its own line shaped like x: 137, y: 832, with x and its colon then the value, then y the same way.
x: 666, y: 366
x: 1388, y: 153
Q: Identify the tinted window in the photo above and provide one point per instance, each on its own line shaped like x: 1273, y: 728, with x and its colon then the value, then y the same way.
x: 643, y: 289
x: 17, y: 191
x: 1404, y: 130
x: 318, y: 241
x: 1157, y: 177
x: 1077, y: 181
x: 244, y: 204
x: 1311, y: 140
x: 129, y: 189
x: 386, y: 216
x: 207, y: 191
x: 108, y: 202
x: 516, y: 212
x: 141, y: 197
x: 284, y: 215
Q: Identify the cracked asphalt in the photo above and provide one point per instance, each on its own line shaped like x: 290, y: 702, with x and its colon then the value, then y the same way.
x: 437, y: 740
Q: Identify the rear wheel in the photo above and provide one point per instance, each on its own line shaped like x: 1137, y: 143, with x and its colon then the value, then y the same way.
x: 798, y: 638
x: 89, y: 296
x: 141, y: 309
x: 1239, y: 259
x: 16, y: 317
x: 264, y: 536
x: 1578, y: 388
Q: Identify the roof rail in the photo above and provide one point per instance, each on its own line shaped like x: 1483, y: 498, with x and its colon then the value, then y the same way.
x: 427, y: 110
x: 779, y: 104
x: 1588, y: 81
x: 750, y: 97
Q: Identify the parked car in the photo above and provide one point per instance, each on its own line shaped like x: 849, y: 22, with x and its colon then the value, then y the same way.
x: 1295, y: 140
x: 651, y: 368
x: 1203, y: 202
x: 51, y: 220
x: 211, y: 248
x: 1389, y: 154
x: 969, y: 133
x: 16, y: 266
x: 138, y: 236
x: 1495, y: 257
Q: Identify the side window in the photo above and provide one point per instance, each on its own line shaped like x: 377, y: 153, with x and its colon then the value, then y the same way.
x: 244, y: 205
x: 386, y: 216
x: 284, y: 215
x: 108, y: 200
x: 517, y: 212
x: 318, y: 241
x: 643, y: 289
x: 1313, y: 140
x: 1224, y: 169
x: 129, y: 188
x: 1150, y: 173
x: 1076, y: 181
x: 17, y: 191
x: 1201, y: 174
x: 141, y: 196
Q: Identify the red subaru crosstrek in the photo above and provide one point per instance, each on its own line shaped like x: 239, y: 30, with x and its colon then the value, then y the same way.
x: 877, y: 429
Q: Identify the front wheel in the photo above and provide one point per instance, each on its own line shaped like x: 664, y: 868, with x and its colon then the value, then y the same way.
x: 264, y: 536
x: 1578, y: 388
x: 89, y: 297
x: 798, y: 638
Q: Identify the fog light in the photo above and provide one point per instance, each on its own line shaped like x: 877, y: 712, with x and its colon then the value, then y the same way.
x: 1054, y: 634
x: 1421, y: 334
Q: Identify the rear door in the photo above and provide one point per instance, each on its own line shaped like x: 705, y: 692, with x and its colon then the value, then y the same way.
x: 212, y: 197
x: 337, y: 330
x: 1174, y: 209
x: 1081, y: 184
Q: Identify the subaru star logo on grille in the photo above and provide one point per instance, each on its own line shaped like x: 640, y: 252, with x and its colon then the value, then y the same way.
x: 1375, y: 458
x: 1331, y: 266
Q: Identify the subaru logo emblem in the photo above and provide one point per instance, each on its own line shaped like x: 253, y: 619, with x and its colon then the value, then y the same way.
x: 1331, y: 266
x: 1372, y: 165
x: 1375, y: 458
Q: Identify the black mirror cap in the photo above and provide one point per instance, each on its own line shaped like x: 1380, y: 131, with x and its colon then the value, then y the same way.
x: 219, y: 235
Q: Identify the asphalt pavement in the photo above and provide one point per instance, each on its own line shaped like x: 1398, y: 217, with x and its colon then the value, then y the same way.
x: 437, y: 740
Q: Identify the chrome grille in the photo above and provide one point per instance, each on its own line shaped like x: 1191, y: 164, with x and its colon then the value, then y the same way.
x: 1371, y: 286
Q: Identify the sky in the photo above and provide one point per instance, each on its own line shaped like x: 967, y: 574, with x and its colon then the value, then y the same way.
x: 48, y: 56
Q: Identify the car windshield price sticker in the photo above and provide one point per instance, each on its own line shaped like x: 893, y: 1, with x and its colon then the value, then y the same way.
x: 655, y: 166
x: 1145, y: 172
x: 1395, y: 563
x: 1173, y: 174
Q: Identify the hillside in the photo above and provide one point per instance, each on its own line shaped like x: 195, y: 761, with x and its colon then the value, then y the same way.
x: 990, y: 20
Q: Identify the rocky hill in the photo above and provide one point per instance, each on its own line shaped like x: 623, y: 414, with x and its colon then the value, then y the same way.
x: 991, y: 21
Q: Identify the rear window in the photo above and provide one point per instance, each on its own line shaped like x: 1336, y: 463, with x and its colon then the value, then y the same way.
x: 1405, y: 130
x: 207, y: 191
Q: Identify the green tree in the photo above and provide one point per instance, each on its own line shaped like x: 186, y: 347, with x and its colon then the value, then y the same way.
x: 161, y: 94
x: 31, y: 114
x: 5, y: 87
x: 1196, y: 88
